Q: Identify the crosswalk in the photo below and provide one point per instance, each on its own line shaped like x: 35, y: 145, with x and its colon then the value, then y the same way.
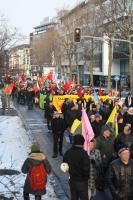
x: 36, y: 126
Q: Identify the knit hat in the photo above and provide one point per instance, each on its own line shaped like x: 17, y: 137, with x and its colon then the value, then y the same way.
x: 35, y: 148
x: 78, y: 140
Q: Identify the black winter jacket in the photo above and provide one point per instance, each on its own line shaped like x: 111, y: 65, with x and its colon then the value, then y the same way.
x: 71, y: 115
x: 97, y: 127
x: 79, y: 163
x: 120, y: 179
x: 49, y: 111
x: 58, y: 125
x: 106, y: 147
x: 30, y: 96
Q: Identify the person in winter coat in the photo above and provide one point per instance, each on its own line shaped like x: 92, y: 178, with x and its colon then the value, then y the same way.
x: 95, y: 162
x: 36, y: 158
x: 129, y: 100
x: 3, y: 101
x: 97, y: 125
x: 49, y: 111
x: 107, y: 111
x: 72, y: 114
x: 58, y: 128
x: 126, y: 138
x: 93, y: 110
x: 120, y: 175
x: 128, y: 117
x: 88, y: 105
x: 120, y: 124
x: 105, y: 144
x: 79, y: 169
x: 30, y: 98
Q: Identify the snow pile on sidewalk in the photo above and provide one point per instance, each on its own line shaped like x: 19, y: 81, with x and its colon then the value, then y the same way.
x: 14, y: 148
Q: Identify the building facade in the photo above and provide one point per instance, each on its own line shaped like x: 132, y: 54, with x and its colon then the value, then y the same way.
x: 19, y: 59
x: 42, y: 47
x: 87, y: 16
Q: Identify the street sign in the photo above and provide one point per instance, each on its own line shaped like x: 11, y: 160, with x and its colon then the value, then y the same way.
x: 117, y: 78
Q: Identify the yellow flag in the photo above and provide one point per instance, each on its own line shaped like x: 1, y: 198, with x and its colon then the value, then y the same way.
x: 116, y: 129
x: 112, y: 116
x: 75, y: 125
x: 112, y: 119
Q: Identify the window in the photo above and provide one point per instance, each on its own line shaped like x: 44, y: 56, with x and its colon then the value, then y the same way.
x: 124, y: 67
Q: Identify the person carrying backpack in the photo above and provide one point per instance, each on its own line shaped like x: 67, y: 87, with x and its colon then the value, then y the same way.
x: 37, y: 167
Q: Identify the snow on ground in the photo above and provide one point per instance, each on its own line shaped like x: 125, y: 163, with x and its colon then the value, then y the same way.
x: 14, y: 148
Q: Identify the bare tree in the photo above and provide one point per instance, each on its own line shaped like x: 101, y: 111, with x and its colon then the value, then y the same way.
x: 45, y: 47
x: 117, y: 16
x: 91, y: 21
x: 9, y: 36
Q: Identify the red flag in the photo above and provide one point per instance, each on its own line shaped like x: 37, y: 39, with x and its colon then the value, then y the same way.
x: 80, y: 92
x: 67, y: 86
x: 52, y: 91
x: 50, y: 76
x: 11, y: 87
x: 36, y: 89
x: 6, y: 89
x: 23, y: 77
x: 100, y: 92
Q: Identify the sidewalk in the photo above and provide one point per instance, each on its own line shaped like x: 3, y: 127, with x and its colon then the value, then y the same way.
x: 36, y: 124
x: 15, y: 145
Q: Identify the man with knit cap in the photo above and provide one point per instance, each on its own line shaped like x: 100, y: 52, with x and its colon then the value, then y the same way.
x: 120, y: 175
x: 79, y: 169
x: 36, y: 166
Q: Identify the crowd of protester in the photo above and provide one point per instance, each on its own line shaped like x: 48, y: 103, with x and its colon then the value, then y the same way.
x: 106, y: 149
x: 109, y: 164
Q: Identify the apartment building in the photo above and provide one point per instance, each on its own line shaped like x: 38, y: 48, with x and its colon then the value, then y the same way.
x: 19, y: 59
x: 40, y: 42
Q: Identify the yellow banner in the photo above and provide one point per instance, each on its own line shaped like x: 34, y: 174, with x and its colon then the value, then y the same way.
x: 58, y: 100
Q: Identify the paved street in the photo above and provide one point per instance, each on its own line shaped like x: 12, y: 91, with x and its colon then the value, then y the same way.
x: 36, y: 124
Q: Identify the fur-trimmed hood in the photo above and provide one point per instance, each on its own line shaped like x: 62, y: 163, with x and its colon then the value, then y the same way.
x: 37, y: 156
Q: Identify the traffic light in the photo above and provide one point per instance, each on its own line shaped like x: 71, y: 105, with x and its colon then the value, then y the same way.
x: 77, y: 34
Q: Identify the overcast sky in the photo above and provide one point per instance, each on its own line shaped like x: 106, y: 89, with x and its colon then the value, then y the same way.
x: 25, y: 14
